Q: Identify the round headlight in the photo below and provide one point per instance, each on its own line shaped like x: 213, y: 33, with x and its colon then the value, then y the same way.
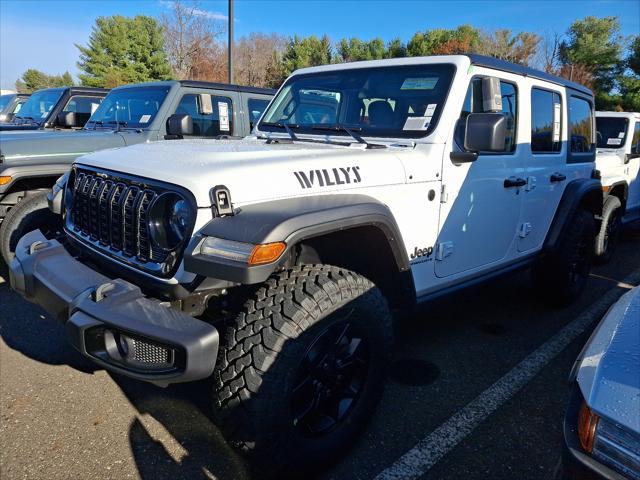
x: 170, y: 217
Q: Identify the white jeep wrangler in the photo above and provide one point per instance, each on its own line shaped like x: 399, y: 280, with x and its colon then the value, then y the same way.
x: 273, y: 263
x: 618, y: 161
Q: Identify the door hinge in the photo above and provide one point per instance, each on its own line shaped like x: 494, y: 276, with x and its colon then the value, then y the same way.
x: 531, y: 184
x: 444, y: 250
x: 524, y: 229
x: 444, y: 196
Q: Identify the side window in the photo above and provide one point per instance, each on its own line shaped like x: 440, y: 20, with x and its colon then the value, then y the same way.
x: 256, y: 108
x: 580, y: 125
x: 635, y: 142
x: 218, y: 121
x: 83, y: 107
x: 546, y: 111
x: 473, y: 104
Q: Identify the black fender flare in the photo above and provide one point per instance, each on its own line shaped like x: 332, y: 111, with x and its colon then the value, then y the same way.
x: 615, y: 185
x: 582, y: 192
x: 290, y: 221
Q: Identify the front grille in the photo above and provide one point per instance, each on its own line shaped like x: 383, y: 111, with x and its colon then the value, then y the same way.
x: 110, y: 212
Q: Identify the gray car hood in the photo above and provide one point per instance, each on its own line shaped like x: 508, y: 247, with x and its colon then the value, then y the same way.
x: 50, y: 144
x: 609, y: 372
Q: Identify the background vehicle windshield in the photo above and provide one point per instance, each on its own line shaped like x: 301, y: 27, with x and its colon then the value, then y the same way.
x: 611, y: 131
x: 39, y: 105
x: 132, y: 107
x: 4, y: 100
x: 382, y: 102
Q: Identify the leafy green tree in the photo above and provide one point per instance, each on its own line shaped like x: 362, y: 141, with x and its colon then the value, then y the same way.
x: 306, y: 52
x: 354, y: 49
x: 629, y: 82
x: 34, y: 79
x: 396, y: 49
x: 463, y: 39
x: 123, y: 50
x: 595, y: 43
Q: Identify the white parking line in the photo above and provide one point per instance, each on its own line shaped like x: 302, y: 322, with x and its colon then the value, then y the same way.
x: 443, y: 439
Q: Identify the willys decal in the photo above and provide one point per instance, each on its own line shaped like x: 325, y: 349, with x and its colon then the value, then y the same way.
x: 328, y: 177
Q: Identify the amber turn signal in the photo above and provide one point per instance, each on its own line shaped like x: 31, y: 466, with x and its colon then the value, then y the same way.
x: 587, y: 423
x: 4, y: 180
x: 266, y: 253
x: 606, y: 188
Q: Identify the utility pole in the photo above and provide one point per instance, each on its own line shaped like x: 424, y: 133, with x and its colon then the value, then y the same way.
x: 230, y: 47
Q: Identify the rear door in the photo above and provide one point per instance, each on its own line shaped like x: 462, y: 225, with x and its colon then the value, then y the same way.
x: 546, y: 175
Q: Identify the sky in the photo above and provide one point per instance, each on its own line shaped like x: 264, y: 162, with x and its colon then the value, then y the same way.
x: 41, y: 33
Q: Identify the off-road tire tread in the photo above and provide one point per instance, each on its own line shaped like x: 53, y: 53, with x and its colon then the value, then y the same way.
x: 611, y: 204
x: 282, y: 308
x: 10, y: 229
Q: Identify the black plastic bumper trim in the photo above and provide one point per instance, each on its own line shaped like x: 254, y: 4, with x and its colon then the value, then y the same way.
x: 46, y: 274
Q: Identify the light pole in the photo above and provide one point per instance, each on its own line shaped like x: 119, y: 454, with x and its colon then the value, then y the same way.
x: 230, y: 47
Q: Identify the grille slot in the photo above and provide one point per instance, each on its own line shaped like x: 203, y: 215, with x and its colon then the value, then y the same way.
x: 111, y: 213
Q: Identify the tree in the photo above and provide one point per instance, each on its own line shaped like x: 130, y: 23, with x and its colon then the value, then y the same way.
x: 33, y: 80
x: 191, y: 42
x: 123, y: 50
x: 254, y: 56
x: 396, y: 49
x: 464, y: 39
x: 306, y: 52
x: 354, y: 49
x: 629, y: 82
x: 519, y: 48
x: 595, y: 43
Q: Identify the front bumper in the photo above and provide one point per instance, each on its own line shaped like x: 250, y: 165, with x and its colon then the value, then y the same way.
x: 110, y: 321
x: 576, y: 464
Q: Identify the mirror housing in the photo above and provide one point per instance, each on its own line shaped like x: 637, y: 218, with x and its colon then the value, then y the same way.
x: 178, y: 125
x: 485, y: 132
x: 67, y: 120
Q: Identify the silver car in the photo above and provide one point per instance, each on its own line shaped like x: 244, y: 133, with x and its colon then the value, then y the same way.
x: 602, y: 424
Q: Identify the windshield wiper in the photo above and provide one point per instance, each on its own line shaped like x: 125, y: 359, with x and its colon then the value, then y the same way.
x: 25, y: 118
x: 351, y: 131
x: 287, y: 128
x: 118, y: 124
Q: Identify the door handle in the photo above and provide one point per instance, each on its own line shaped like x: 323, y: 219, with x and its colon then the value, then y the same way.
x: 557, y: 177
x: 514, y: 182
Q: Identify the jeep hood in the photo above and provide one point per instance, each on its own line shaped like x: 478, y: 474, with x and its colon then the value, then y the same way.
x: 252, y: 169
x: 60, y: 146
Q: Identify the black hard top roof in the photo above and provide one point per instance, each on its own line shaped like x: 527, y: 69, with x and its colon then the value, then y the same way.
x: 490, y: 62
x: 227, y: 86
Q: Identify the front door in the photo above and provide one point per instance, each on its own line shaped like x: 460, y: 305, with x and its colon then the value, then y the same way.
x: 481, y: 202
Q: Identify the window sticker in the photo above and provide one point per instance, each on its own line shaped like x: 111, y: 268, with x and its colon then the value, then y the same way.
x: 614, y: 141
x: 145, y: 118
x: 557, y: 109
x: 223, y: 114
x: 417, y: 123
x: 621, y: 135
x: 426, y: 83
x: 431, y: 108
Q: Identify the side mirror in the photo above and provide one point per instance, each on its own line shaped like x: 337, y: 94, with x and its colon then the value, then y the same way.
x: 67, y: 119
x: 178, y: 125
x: 485, y: 132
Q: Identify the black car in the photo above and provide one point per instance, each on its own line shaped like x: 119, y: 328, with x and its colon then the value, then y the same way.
x: 64, y: 107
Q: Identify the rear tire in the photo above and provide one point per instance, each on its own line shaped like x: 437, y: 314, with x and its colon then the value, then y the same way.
x: 562, y: 275
x: 301, y: 368
x: 31, y: 213
x: 607, y: 238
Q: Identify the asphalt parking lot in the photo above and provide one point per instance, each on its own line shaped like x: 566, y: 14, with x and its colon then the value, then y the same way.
x: 477, y: 390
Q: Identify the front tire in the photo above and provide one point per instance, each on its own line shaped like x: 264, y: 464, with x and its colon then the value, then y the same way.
x: 301, y: 368
x: 562, y: 275
x: 607, y: 238
x: 31, y: 213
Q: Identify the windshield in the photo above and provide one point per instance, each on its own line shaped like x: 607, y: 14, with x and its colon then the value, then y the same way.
x: 129, y: 107
x: 39, y: 105
x: 4, y: 100
x: 392, y: 101
x: 611, y: 131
